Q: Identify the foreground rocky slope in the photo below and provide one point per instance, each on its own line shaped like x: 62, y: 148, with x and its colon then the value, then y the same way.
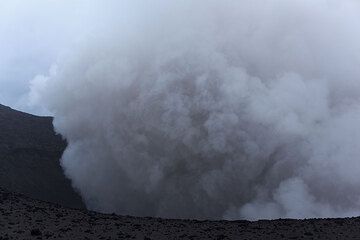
x: 24, y: 218
x: 29, y: 158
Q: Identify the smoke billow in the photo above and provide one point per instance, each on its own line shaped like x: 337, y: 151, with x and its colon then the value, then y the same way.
x: 214, y: 109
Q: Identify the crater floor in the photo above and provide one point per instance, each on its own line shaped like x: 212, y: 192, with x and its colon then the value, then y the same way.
x: 25, y: 218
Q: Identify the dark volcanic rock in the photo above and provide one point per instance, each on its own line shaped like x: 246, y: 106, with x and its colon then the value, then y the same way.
x: 24, y: 218
x: 35, y: 232
x: 29, y: 158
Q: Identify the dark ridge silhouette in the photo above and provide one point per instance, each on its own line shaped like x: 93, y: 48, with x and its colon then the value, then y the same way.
x: 29, y: 158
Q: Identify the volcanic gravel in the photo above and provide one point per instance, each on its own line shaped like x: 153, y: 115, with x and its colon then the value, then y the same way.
x: 25, y: 218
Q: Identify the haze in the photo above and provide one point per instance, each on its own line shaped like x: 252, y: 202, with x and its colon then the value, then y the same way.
x: 196, y: 109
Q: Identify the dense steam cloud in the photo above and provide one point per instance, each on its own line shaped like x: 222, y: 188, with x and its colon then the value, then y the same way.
x: 214, y: 109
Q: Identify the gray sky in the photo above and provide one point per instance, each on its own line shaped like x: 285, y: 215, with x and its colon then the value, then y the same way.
x: 34, y: 33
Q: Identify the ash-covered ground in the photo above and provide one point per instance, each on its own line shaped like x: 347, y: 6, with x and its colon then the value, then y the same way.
x: 25, y: 218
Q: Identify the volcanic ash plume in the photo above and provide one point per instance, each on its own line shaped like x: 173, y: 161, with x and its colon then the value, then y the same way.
x: 214, y: 109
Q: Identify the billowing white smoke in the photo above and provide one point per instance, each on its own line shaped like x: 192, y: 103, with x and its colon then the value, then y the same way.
x: 215, y: 109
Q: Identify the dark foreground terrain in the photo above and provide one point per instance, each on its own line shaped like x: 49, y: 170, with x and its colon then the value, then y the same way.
x: 24, y: 218
x: 29, y: 158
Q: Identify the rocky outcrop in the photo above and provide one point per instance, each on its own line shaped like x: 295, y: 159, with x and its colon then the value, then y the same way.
x: 29, y: 158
